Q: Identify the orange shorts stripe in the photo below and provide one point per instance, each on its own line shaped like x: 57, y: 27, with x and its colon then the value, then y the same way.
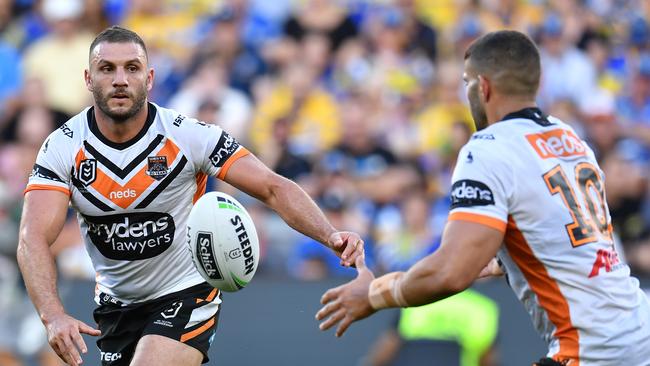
x: 548, y: 293
x: 479, y: 219
x: 212, y: 295
x: 224, y: 169
x: 198, y: 331
x: 46, y: 187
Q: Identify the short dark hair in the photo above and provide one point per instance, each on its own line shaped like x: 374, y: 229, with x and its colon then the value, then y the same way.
x: 117, y: 34
x: 509, y: 59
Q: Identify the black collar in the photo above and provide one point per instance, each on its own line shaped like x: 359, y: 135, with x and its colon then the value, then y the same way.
x: 92, y: 123
x: 534, y: 114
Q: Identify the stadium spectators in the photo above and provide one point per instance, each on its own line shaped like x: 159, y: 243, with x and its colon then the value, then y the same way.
x: 353, y: 97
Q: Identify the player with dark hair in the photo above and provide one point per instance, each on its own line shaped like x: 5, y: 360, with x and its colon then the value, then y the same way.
x: 132, y: 170
x: 527, y: 189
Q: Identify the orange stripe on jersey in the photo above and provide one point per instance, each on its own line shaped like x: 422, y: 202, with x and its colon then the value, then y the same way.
x: 224, y: 169
x: 170, y: 150
x: 79, y: 157
x: 479, y: 219
x: 201, y: 184
x: 198, y: 331
x: 122, y: 195
x: 45, y: 187
x: 548, y: 293
x: 125, y: 195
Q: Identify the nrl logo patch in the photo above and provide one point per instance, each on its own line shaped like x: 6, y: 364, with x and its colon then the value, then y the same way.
x: 157, y: 167
x: 87, y: 171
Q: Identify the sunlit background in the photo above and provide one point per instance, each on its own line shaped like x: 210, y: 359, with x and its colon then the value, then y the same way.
x: 362, y: 104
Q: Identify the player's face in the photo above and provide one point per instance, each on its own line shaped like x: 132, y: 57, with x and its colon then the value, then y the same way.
x: 119, y: 79
x: 477, y: 108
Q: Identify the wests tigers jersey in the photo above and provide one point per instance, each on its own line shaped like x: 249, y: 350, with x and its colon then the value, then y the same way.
x: 534, y: 179
x: 133, y: 199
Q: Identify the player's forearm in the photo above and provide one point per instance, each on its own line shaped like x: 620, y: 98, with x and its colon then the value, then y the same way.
x: 432, y: 280
x: 299, y: 211
x: 39, y: 273
x: 429, y: 280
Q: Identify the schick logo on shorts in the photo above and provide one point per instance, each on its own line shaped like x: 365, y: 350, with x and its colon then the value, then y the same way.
x: 157, y: 167
x: 206, y: 255
x: 131, y: 236
x: 87, y: 171
x: 468, y: 193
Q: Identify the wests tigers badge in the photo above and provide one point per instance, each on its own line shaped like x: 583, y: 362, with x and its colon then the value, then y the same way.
x: 157, y: 167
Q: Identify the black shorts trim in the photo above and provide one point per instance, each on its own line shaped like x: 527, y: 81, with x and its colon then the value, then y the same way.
x: 189, y: 316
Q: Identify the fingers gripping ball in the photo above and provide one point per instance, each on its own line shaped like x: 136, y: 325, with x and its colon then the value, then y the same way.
x: 223, y: 241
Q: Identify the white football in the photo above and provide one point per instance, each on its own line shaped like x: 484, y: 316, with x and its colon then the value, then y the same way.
x: 223, y: 241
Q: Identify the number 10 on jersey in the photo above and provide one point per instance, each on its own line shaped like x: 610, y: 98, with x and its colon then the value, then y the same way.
x: 587, y: 224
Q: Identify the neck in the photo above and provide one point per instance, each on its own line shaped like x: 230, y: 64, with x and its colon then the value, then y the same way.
x: 121, y: 131
x: 506, y: 105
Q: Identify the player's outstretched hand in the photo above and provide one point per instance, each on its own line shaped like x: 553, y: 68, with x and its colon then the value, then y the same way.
x: 347, y: 303
x: 64, y: 336
x: 492, y: 269
x: 347, y: 245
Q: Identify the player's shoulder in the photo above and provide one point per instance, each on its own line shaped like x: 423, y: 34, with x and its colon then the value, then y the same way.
x: 177, y: 123
x: 71, y: 133
x: 489, y: 142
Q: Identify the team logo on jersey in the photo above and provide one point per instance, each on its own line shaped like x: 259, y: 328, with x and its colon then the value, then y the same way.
x: 157, y: 167
x: 469, y: 193
x: 87, y: 172
x: 226, y: 146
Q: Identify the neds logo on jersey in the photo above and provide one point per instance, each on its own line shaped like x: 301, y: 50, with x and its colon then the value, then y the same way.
x: 469, y: 193
x: 131, y: 236
x: 557, y: 143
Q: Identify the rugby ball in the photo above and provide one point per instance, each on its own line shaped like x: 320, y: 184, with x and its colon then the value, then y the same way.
x: 223, y: 241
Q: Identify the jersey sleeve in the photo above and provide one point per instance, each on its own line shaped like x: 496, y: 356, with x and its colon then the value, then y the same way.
x: 481, y: 187
x: 51, y: 171
x: 213, y: 149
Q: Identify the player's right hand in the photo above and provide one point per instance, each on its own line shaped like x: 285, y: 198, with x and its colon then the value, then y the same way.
x: 64, y: 336
x: 492, y: 269
x: 346, y: 245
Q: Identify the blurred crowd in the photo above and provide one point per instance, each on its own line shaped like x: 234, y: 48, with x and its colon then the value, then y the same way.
x: 361, y: 102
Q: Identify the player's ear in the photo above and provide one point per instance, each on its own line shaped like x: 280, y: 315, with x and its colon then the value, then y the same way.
x: 484, y: 88
x: 88, y: 80
x: 150, y: 77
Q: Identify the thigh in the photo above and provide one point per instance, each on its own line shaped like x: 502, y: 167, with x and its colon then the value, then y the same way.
x: 163, y: 351
x: 188, y: 317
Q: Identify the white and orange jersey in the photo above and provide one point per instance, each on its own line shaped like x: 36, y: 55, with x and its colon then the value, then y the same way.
x: 133, y: 199
x: 533, y: 178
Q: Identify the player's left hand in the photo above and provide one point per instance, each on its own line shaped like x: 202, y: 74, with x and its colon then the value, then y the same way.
x: 347, y: 303
x: 347, y: 245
